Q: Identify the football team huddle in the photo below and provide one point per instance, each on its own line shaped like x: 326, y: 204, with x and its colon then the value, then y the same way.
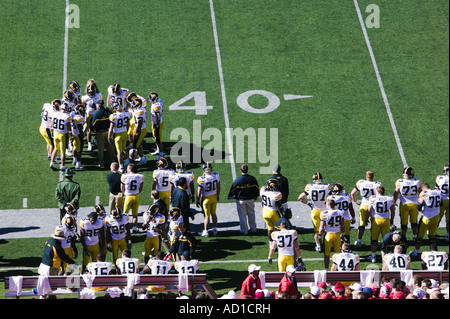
x: 68, y: 122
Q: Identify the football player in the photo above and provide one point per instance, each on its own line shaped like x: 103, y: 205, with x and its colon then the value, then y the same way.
x: 116, y: 94
x: 187, y: 265
x: 119, y: 130
x: 442, y: 184
x: 366, y: 188
x: 409, y: 188
x: 208, y: 193
x: 78, y: 135
x: 317, y: 193
x: 285, y: 240
x: 396, y: 260
x: 161, y: 180
x: 126, y: 264
x: 61, y: 124
x: 153, y: 220
x: 180, y: 169
x: 46, y: 128
x: 346, y: 260
x: 157, y: 266
x: 75, y: 88
x: 430, y: 202
x: 140, y: 128
x: 343, y: 202
x: 175, y: 219
x: 272, y: 209
x: 382, y: 212
x: 92, y: 96
x: 157, y: 122
x: 331, y: 223
x: 117, y: 232
x: 68, y: 244
x: 92, y: 238
x: 132, y: 186
x: 434, y: 260
x: 99, y: 267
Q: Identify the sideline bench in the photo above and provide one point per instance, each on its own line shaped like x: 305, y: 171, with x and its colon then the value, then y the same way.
x: 272, y: 278
x: 60, y: 284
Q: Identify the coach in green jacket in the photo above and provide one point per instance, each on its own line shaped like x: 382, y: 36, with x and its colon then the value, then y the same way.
x: 67, y: 191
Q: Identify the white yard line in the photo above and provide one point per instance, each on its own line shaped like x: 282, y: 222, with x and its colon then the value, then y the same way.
x: 224, y: 98
x: 380, y: 83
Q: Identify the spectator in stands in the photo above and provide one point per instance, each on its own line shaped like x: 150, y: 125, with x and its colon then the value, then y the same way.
x: 288, y: 283
x: 245, y: 190
x: 251, y: 283
x: 339, y: 291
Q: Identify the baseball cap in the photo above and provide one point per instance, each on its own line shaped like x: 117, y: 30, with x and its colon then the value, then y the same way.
x: 356, y: 286
x: 419, y: 292
x: 290, y: 268
x: 315, y: 291
x: 253, y: 268
x: 339, y: 287
x: 276, y: 168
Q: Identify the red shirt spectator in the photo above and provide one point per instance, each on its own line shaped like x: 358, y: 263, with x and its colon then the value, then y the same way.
x: 252, y: 282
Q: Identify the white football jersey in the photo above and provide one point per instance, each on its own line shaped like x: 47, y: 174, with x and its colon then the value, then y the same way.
x: 60, y: 121
x: 366, y: 189
x: 128, y: 265
x: 381, y: 206
x: 435, y: 260
x: 396, y: 261
x: 140, y: 113
x: 152, y: 224
x: 120, y: 120
x: 317, y: 194
x: 92, y: 231
x: 270, y: 198
x: 132, y: 183
x: 442, y: 183
x: 68, y: 234
x: 162, y: 176
x: 157, y: 107
x: 173, y: 227
x: 343, y: 202
x: 118, y: 227
x: 46, y: 112
x: 177, y: 175
x: 285, y: 240
x: 77, y: 120
x: 408, y: 189
x: 332, y: 219
x: 209, y: 183
x: 100, y: 268
x: 159, y: 267
x: 432, y: 203
x: 345, y: 261
x: 89, y: 102
x: 119, y: 98
x: 187, y: 267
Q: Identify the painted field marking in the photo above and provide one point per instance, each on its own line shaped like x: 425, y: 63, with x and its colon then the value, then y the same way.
x: 224, y: 98
x: 380, y: 83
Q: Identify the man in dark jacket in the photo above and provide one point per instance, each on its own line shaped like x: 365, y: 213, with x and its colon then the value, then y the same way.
x: 245, y: 190
x: 100, y: 125
x: 180, y: 199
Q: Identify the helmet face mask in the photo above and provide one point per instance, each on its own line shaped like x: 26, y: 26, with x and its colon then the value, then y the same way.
x: 175, y: 213
x: 273, y: 184
x: 153, y: 210
x: 162, y: 163
x: 75, y: 87
x: 317, y: 178
x: 180, y: 167
x: 337, y: 189
x: 117, y: 213
x: 56, y: 104
x: 69, y: 222
x: 153, y: 97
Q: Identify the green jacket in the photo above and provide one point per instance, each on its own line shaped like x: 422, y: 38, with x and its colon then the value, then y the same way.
x: 68, y: 191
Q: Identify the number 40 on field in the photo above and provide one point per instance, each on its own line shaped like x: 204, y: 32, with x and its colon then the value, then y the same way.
x: 201, y: 107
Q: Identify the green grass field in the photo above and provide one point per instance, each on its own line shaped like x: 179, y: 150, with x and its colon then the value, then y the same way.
x: 313, y: 48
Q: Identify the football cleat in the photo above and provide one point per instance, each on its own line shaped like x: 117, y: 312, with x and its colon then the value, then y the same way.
x: 317, y: 177
x: 337, y: 189
x: 153, y: 97
x: 408, y: 172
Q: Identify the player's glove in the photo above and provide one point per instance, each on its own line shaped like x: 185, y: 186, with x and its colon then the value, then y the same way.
x: 269, y: 260
x: 300, y: 265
